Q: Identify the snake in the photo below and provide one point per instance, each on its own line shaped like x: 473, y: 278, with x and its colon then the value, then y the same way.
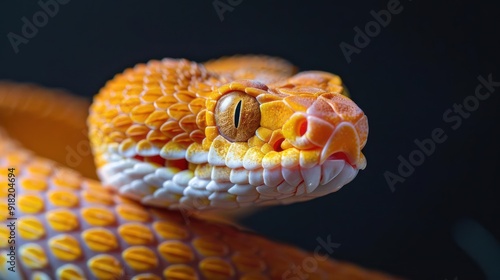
x: 173, y: 139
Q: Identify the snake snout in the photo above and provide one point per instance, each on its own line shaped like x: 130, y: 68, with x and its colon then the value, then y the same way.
x: 334, y: 126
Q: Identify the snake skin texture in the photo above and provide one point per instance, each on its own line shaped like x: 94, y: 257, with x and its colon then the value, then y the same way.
x: 161, y: 133
x: 70, y: 227
x: 170, y: 137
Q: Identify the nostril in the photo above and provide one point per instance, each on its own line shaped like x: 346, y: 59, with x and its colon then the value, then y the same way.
x: 296, y: 132
x: 277, y: 145
x: 303, y: 128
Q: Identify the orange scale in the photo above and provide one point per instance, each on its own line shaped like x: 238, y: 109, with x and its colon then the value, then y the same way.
x: 141, y: 112
x: 171, y: 129
x: 121, y: 122
x: 152, y: 78
x: 178, y: 111
x: 196, y: 105
x: 197, y: 136
x: 343, y: 106
x: 210, y: 246
x: 220, y: 91
x: 98, y: 216
x: 209, y: 117
x: 167, y: 86
x: 168, y: 230
x: 335, y: 88
x: 211, y: 104
x: 42, y: 168
x: 264, y: 98
x: 165, y: 102
x: 144, y: 145
x: 61, y: 198
x: 129, y: 103
x: 181, y: 85
x: 133, y: 213
x: 66, y: 178
x: 255, y: 91
x: 97, y: 197
x: 133, y: 90
x: 188, y: 123
x: 117, y: 136
x: 216, y: 268
x: 137, y: 131
x: 156, y: 119
x: 115, y: 99
x: 185, y: 96
x: 201, y: 120
x: 13, y: 159
x: 322, y: 109
x: 182, y: 138
x: 276, y: 114
x: 106, y: 128
x: 318, y: 131
x: 180, y: 272
x: 157, y: 137
x: 151, y: 94
x: 211, y: 132
x: 176, y: 252
x: 299, y: 103
x: 200, y: 88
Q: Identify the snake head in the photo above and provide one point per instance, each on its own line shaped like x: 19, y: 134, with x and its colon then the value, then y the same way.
x: 173, y: 134
x: 296, y: 140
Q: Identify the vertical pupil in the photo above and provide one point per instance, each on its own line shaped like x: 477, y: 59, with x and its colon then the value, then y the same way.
x: 237, y: 113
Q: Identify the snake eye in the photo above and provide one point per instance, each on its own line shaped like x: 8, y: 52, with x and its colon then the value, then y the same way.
x: 237, y: 116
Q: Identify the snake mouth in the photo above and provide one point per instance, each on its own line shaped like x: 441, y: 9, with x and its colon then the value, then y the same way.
x: 159, y: 161
x: 342, y: 156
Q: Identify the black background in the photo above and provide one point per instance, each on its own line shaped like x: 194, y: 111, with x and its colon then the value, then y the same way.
x: 405, y: 79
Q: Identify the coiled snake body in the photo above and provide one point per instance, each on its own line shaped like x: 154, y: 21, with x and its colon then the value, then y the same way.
x: 174, y: 135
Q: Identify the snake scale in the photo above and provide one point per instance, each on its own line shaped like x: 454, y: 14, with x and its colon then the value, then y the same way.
x: 172, y: 137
